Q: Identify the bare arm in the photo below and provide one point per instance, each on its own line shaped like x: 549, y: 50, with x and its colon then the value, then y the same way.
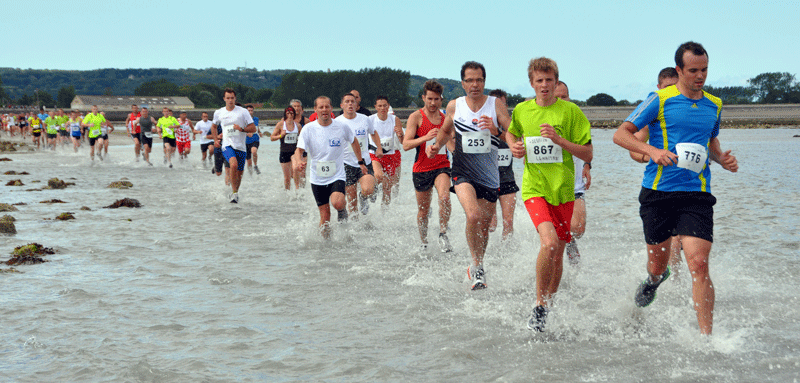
x: 725, y: 159
x: 278, y: 132
x: 413, y: 122
x: 641, y: 135
x: 624, y: 137
x: 378, y: 148
x: 298, y: 161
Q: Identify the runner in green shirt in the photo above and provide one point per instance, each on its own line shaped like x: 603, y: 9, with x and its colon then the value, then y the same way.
x: 94, y: 121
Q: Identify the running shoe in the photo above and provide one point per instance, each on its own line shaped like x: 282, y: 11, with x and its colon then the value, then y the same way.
x: 646, y: 293
x: 364, y: 201
x: 572, y: 253
x: 165, y: 160
x: 444, y: 243
x: 477, y: 276
x: 170, y: 165
x: 250, y: 170
x: 234, y: 197
x: 537, y: 319
x: 342, y: 215
x: 374, y: 196
x: 256, y: 169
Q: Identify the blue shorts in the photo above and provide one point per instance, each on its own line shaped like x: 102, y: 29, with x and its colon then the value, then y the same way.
x: 241, y: 156
x: 76, y: 134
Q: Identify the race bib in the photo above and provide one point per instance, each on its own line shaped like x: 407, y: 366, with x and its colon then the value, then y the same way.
x: 229, y: 132
x: 361, y: 141
x: 503, y: 157
x: 326, y: 169
x: 541, y: 150
x: 386, y: 144
x: 479, y: 142
x: 148, y: 134
x: 290, y: 138
x: 442, y: 150
x: 691, y: 156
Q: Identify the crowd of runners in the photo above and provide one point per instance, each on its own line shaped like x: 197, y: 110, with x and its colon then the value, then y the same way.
x: 467, y: 149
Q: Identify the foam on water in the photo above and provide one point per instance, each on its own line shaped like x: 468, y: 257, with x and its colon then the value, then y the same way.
x: 192, y: 288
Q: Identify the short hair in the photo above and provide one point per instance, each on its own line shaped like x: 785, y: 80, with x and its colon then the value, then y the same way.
x: 381, y: 97
x: 562, y: 83
x: 668, y: 72
x: 472, y: 65
x: 229, y: 90
x: 433, y: 86
x: 348, y: 94
x: 297, y: 101
x: 206, y: 113
x: 134, y: 105
x: 251, y: 107
x: 316, y: 100
x: 542, y: 64
x: 499, y: 93
x: 690, y: 46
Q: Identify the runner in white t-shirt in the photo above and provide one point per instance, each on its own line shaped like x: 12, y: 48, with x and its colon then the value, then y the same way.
x: 390, y: 131
x: 235, y: 122
x: 326, y: 141
x: 203, y: 128
x: 363, y: 129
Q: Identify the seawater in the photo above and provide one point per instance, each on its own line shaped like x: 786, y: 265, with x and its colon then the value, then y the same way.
x: 192, y: 288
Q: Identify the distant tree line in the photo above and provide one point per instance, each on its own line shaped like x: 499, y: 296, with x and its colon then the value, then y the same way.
x: 766, y: 88
x: 57, y: 88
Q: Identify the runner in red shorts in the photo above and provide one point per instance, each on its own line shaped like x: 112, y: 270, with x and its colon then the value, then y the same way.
x: 389, y: 129
x: 183, y: 136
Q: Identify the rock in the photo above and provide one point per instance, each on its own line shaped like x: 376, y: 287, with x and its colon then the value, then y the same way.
x: 9, y: 270
x: 125, y: 202
x: 8, y: 146
x: 9, y: 218
x: 55, y: 183
x: 65, y: 216
x: 33, y: 189
x: 13, y: 173
x: 7, y: 207
x: 5, y: 159
x: 85, y: 208
x: 796, y: 135
x: 29, y: 254
x: 15, y: 183
x: 120, y: 185
x: 7, y: 227
x: 53, y: 201
x: 19, y: 204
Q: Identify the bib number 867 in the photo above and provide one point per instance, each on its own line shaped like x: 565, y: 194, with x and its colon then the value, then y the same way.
x: 542, y: 149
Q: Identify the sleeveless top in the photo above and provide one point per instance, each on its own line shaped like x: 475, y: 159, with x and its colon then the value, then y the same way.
x: 421, y: 161
x: 481, y: 168
x: 290, y: 136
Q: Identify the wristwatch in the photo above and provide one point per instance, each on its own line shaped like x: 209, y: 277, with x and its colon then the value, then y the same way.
x: 362, y: 162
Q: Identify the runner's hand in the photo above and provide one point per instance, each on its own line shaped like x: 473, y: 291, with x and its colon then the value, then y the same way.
x: 663, y: 157
x: 729, y: 162
x: 517, y: 149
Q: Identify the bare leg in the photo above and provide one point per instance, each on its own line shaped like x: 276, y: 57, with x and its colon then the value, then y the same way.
x: 696, y: 251
x: 549, y: 263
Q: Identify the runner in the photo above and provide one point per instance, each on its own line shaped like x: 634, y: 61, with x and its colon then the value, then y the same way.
x: 75, y: 130
x: 145, y: 122
x: 676, y: 190
x: 235, y: 122
x: 183, y: 136
x: 63, y: 131
x: 583, y: 180
x: 668, y: 76
x: 507, y: 194
x: 390, y: 130
x: 325, y: 140
x: 422, y: 128
x: 133, y: 129
x: 475, y: 120
x: 252, y: 143
x: 203, y: 128
x: 36, y: 129
x: 94, y: 122
x: 361, y: 126
x: 52, y: 125
x: 22, y: 122
x: 548, y: 133
x: 287, y: 131
x: 300, y: 119
x: 359, y: 109
x: 166, y: 126
x: 105, y: 129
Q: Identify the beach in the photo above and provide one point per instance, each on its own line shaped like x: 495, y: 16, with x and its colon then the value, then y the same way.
x: 190, y: 287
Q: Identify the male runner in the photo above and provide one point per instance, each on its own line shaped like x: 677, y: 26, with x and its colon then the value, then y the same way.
x: 325, y: 140
x: 252, y: 143
x: 203, y: 128
x: 75, y: 130
x: 133, y: 129
x: 94, y: 122
x: 422, y: 127
x: 183, y: 136
x: 668, y: 76
x: 474, y: 119
x: 389, y: 129
x: 235, y: 122
x: 105, y: 129
x: 676, y: 190
x: 362, y: 128
x: 507, y: 194
x: 146, y: 123
x: 36, y: 129
x: 166, y: 125
x: 548, y: 133
x: 52, y: 125
x: 583, y: 180
x: 359, y: 108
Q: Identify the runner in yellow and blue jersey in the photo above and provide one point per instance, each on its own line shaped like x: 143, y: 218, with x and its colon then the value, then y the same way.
x: 676, y: 190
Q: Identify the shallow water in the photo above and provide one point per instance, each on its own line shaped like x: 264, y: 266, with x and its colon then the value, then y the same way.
x: 192, y: 288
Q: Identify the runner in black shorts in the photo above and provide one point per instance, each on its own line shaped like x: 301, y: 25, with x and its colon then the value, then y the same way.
x: 322, y: 193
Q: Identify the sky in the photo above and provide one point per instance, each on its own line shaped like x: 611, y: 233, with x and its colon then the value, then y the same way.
x: 614, y: 47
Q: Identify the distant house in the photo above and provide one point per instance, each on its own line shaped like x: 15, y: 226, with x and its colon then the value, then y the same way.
x: 111, y: 103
